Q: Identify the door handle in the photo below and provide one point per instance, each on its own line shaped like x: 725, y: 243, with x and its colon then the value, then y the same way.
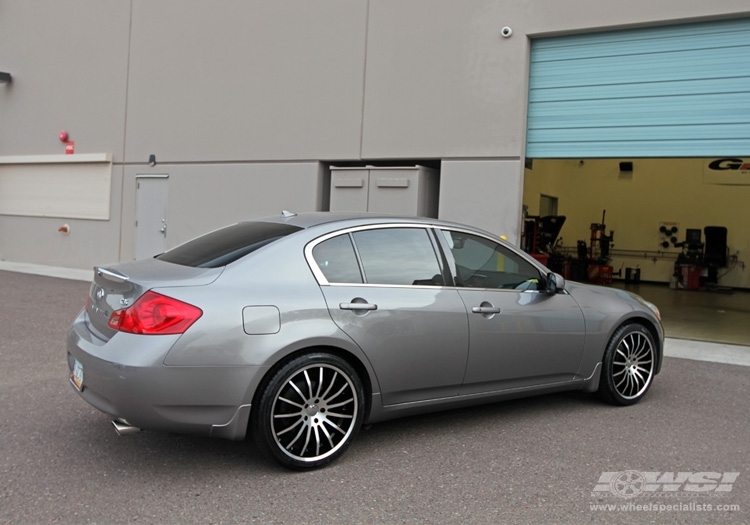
x: 358, y: 306
x: 485, y: 310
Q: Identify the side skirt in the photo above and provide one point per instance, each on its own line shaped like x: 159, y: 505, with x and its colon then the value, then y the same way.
x: 379, y: 412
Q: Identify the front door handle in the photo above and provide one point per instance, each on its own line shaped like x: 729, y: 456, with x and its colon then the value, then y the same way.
x: 358, y: 306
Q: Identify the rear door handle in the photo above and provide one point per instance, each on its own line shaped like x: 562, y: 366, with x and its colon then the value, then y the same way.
x: 485, y: 310
x: 358, y: 306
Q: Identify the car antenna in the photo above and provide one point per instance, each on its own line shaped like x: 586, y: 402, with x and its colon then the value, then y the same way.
x: 286, y: 214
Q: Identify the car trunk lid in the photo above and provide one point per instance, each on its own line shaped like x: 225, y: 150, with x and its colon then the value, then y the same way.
x: 118, y: 286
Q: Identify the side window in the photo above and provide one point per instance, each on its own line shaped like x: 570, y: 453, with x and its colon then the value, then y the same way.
x: 403, y: 256
x: 336, y: 259
x: 482, y: 263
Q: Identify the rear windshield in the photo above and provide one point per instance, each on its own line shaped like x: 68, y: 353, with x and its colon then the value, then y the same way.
x: 225, y: 246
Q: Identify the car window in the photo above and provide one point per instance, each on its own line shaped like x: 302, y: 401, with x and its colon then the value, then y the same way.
x: 226, y: 245
x: 402, y: 256
x: 483, y: 263
x: 336, y: 259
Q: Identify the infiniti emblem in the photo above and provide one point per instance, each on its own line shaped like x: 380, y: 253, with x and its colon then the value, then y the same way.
x: 100, y: 293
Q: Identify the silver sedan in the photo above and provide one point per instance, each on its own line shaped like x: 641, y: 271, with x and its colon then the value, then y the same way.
x: 299, y: 329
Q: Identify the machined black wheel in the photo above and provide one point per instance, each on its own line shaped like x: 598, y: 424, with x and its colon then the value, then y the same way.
x: 310, y: 411
x: 628, y: 366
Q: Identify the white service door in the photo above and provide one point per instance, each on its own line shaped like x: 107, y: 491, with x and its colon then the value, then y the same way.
x: 151, y: 216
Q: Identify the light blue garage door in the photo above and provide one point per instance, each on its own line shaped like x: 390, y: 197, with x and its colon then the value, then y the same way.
x: 676, y: 91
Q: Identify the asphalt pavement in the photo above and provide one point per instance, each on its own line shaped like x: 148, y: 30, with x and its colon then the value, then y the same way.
x: 682, y: 455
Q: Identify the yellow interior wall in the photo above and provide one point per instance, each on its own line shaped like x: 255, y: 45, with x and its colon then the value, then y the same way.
x: 658, y: 190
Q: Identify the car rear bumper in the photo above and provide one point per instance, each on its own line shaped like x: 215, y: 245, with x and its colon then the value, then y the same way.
x: 126, y: 379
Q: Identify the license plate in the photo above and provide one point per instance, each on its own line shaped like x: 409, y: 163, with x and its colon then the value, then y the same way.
x: 77, y: 377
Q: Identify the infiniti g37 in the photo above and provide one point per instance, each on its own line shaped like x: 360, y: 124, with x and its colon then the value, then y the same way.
x: 299, y: 329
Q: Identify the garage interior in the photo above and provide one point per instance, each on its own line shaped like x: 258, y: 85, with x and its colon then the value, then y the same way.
x: 643, y: 229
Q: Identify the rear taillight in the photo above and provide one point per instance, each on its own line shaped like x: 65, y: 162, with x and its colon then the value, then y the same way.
x: 155, y: 314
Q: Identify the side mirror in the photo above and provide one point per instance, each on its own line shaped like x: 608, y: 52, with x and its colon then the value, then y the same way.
x: 555, y: 283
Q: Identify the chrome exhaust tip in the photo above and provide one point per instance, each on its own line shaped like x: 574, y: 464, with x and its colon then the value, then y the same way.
x: 123, y: 428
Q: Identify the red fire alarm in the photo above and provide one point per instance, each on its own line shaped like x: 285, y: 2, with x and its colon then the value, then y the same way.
x: 70, y: 147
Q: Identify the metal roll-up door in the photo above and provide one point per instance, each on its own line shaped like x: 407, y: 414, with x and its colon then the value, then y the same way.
x: 676, y: 91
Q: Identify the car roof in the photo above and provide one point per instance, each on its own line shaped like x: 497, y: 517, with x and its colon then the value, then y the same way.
x: 311, y: 219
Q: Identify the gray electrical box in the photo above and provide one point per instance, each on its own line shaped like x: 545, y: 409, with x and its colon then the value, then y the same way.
x: 411, y: 190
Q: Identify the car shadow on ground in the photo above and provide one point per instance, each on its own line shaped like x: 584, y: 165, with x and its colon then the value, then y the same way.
x: 149, y: 451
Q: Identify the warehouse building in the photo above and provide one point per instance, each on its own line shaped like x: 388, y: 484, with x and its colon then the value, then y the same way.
x: 130, y: 127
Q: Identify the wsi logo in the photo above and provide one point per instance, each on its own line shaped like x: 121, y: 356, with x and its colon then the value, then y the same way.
x: 631, y: 483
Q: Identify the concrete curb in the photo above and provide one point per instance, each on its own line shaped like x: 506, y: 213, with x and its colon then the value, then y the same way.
x: 703, y: 351
x: 49, y: 271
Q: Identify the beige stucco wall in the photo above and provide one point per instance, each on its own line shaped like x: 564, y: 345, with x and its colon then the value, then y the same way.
x: 238, y: 80
x: 69, y: 63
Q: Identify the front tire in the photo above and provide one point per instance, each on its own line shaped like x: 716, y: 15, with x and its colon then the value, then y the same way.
x: 310, y: 411
x: 628, y: 365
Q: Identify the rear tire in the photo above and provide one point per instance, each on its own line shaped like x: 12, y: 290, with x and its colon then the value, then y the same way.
x: 628, y: 365
x: 309, y: 412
